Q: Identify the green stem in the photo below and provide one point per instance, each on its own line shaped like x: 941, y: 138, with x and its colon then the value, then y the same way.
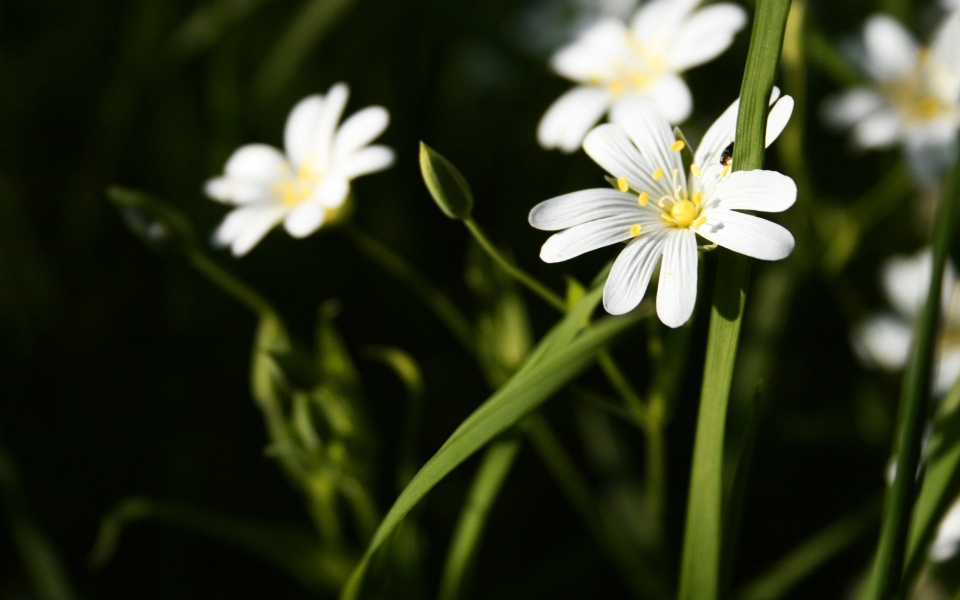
x: 635, y: 406
x: 701, y: 559
x: 885, y: 580
x: 439, y: 303
x: 230, y: 284
x: 513, y: 270
x: 656, y: 460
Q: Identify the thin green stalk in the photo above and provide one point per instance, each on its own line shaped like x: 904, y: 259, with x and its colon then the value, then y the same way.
x: 512, y: 269
x: 230, y: 284
x: 439, y: 303
x: 700, y: 563
x: 631, y: 399
x: 656, y: 461
x: 885, y: 579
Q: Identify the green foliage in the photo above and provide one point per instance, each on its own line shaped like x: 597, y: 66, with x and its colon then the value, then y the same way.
x: 700, y: 566
x: 446, y: 184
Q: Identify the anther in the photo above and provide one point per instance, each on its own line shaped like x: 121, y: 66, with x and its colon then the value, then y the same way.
x: 622, y: 184
x: 635, y: 230
x: 677, y: 146
x: 643, y: 198
x: 695, y: 169
x: 657, y: 174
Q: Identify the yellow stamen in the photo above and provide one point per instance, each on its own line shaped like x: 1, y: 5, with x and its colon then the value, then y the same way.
x: 683, y: 213
x: 666, y: 218
x: 699, y: 221
x: 726, y: 170
x: 698, y: 198
x: 617, y: 87
x: 695, y: 169
x: 643, y: 198
x: 635, y: 230
x: 657, y: 174
x: 677, y: 146
x: 927, y: 107
x: 622, y: 184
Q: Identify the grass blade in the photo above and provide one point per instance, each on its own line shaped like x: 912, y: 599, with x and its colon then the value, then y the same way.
x: 886, y: 577
x: 700, y: 563
x: 549, y: 368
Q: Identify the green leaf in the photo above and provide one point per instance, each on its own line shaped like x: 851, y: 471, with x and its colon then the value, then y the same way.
x: 700, y: 564
x: 886, y: 577
x: 486, y: 486
x: 446, y: 184
x: 941, y: 482
x: 549, y: 368
x: 157, y: 225
x: 288, y: 548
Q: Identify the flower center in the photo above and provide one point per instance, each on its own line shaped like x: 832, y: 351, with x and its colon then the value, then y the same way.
x: 683, y: 213
x: 298, y: 187
x: 639, y: 68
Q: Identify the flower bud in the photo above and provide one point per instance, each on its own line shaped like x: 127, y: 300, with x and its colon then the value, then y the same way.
x: 445, y: 183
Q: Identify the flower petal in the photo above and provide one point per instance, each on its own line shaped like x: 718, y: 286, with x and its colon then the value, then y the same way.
x: 883, y: 340
x: 358, y: 130
x: 672, y: 97
x: 891, y: 50
x: 304, y: 219
x: 593, y: 53
x: 631, y: 272
x: 677, y: 290
x: 705, y: 35
x: 230, y: 190
x: 724, y: 129
x: 588, y: 236
x: 652, y: 135
x: 947, y: 542
x: 570, y: 117
x: 930, y: 150
x: 948, y: 371
x: 906, y: 281
x: 318, y: 150
x: 610, y: 147
x: 945, y: 57
x: 777, y: 119
x: 766, y: 191
x: 243, y: 228
x: 369, y: 160
x: 656, y: 22
x: 298, y: 133
x: 747, y: 234
x: 879, y: 129
x: 332, y: 193
x: 581, y: 207
x: 843, y: 110
x: 256, y: 163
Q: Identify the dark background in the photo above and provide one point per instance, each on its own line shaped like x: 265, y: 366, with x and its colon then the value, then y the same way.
x: 123, y: 372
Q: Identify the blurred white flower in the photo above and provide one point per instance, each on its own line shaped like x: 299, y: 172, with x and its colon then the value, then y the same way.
x: 306, y: 186
x: 913, y: 98
x: 614, y: 63
x: 659, y: 210
x: 947, y: 542
x: 884, y: 340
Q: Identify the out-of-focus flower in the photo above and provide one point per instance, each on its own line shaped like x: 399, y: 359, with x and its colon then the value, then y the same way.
x: 659, y: 210
x: 947, y: 542
x: 913, y: 98
x: 614, y: 63
x: 884, y: 340
x: 307, y: 185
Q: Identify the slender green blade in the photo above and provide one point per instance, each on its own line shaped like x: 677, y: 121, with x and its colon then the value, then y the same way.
x: 700, y: 564
x: 549, y: 368
x: 485, y: 489
x: 290, y: 549
x: 940, y: 484
x: 886, y: 577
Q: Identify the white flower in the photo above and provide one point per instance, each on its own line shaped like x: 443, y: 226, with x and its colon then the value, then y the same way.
x: 659, y: 210
x: 307, y: 185
x: 884, y: 340
x: 913, y: 98
x: 947, y: 542
x: 615, y: 64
